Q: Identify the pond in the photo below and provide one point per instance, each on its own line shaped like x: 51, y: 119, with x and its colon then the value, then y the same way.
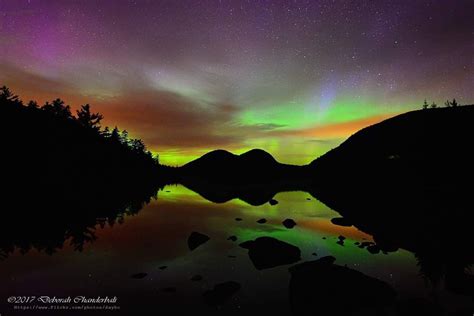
x: 144, y: 260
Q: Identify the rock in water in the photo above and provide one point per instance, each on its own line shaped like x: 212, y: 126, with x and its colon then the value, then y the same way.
x: 325, y: 288
x: 196, y: 239
x: 289, y: 223
x: 262, y: 221
x: 268, y: 252
x: 373, y: 249
x: 273, y: 202
x: 232, y: 238
x: 221, y: 292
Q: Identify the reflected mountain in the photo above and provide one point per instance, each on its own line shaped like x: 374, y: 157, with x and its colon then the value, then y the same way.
x: 254, y: 177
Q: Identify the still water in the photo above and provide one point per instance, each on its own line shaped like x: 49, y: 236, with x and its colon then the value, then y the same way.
x: 154, y: 242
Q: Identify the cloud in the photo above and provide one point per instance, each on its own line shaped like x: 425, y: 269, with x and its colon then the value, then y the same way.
x: 165, y: 119
x: 332, y: 131
x: 32, y: 85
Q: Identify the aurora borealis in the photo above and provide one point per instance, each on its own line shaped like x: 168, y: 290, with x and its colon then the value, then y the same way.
x: 292, y: 77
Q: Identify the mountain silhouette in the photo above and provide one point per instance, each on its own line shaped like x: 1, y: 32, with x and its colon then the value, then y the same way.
x: 252, y: 167
x: 221, y: 163
x: 406, y: 181
x: 254, y: 176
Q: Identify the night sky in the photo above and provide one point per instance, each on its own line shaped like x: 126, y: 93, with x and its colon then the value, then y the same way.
x: 292, y: 77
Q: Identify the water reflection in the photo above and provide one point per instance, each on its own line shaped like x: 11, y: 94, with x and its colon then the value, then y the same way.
x: 157, y: 238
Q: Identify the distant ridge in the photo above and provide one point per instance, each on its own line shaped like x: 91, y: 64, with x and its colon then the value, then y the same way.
x: 407, y: 181
x: 221, y: 160
x: 254, y: 176
x: 429, y: 144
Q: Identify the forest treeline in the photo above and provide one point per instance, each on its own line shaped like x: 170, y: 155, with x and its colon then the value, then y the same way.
x: 64, y: 173
x: 89, y: 121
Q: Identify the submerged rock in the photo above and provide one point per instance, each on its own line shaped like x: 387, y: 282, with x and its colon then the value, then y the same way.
x: 262, y: 221
x: 341, y: 240
x: 140, y: 275
x: 373, y: 249
x: 324, y: 288
x: 238, y: 219
x: 273, y: 202
x: 268, y: 252
x: 221, y: 292
x: 366, y: 244
x: 163, y: 267
x: 196, y: 239
x: 289, y: 223
x: 232, y: 238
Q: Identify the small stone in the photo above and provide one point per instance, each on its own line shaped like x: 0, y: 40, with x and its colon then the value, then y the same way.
x: 238, y: 219
x: 232, y: 238
x: 163, y: 267
x: 289, y: 223
x: 273, y: 202
x: 262, y: 221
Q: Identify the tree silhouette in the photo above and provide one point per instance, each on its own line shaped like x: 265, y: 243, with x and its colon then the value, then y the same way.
x: 425, y: 105
x: 115, y: 135
x: 58, y: 108
x: 88, y: 119
x: 32, y: 105
x: 454, y: 103
x: 106, y: 132
x: 447, y: 104
x: 138, y: 145
x: 124, y: 137
x: 7, y: 95
x: 434, y: 105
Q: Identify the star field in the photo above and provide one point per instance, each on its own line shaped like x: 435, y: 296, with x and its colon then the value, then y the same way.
x: 292, y: 77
